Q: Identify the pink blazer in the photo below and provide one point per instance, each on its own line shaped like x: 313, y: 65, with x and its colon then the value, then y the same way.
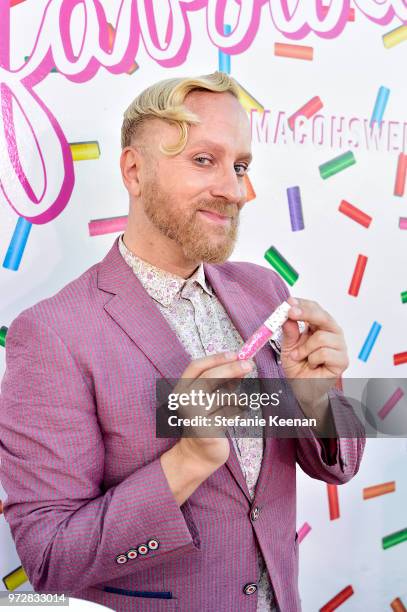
x: 88, y: 505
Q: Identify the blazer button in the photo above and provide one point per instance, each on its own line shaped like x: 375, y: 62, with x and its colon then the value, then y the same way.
x: 121, y: 559
x: 255, y: 513
x: 132, y: 553
x: 153, y: 544
x: 142, y: 549
x: 250, y: 588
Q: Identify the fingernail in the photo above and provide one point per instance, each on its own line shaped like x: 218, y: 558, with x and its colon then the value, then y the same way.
x: 296, y: 311
x: 230, y: 355
x: 246, y: 366
x: 294, y: 300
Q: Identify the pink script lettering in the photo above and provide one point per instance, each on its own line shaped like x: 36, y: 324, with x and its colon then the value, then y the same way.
x: 136, y: 20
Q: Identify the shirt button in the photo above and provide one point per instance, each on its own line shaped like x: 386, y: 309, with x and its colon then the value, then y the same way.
x: 250, y: 588
x: 121, y: 559
x: 255, y: 513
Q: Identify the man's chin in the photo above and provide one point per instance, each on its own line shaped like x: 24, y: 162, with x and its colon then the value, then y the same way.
x: 209, y: 255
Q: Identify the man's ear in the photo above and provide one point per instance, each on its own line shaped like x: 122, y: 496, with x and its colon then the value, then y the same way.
x: 131, y: 161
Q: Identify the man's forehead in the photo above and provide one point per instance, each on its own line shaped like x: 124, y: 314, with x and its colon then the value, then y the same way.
x: 224, y: 107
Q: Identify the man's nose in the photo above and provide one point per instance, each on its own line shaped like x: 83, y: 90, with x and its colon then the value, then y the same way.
x: 229, y: 185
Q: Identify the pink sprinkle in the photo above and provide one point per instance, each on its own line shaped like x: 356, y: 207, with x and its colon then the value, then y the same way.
x: 303, y: 531
x: 403, y: 223
x: 97, y: 227
x: 308, y: 110
x: 391, y: 402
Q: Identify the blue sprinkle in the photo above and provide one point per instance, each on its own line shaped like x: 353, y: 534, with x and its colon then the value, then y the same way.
x: 17, y: 244
x: 224, y: 58
x: 369, y: 342
x: 380, y: 105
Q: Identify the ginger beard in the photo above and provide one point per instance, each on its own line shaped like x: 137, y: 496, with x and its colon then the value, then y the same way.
x: 199, y: 238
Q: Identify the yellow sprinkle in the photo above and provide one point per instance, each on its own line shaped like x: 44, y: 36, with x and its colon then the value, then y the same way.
x: 15, y: 579
x: 394, y: 37
x: 84, y: 150
x: 247, y: 101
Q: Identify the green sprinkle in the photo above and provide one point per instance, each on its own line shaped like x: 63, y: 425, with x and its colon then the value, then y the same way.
x: 394, y: 538
x: 404, y: 297
x: 337, y: 165
x: 3, y: 332
x: 281, y: 265
x: 27, y: 57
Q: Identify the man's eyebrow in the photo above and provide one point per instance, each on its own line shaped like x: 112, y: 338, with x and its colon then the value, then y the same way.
x: 220, y: 147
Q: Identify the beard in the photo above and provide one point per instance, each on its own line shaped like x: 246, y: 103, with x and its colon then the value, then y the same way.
x: 199, y: 239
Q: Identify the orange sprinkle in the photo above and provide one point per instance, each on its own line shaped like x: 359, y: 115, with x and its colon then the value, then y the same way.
x: 293, y: 51
x: 112, y: 35
x: 381, y: 489
x: 133, y: 68
x: 397, y: 605
x: 249, y: 188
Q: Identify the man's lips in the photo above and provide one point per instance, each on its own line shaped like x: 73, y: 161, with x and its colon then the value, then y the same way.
x: 209, y: 214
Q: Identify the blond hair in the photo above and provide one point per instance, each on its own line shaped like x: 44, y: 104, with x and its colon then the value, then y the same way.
x: 164, y: 100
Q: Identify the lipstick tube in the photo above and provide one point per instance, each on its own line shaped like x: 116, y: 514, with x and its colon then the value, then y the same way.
x: 265, y: 332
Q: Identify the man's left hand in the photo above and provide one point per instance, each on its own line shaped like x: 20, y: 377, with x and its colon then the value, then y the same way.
x: 318, y: 354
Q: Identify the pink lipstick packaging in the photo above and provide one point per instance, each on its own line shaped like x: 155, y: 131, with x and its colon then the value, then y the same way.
x: 265, y: 332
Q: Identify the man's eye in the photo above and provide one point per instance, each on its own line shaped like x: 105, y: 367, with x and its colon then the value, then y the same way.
x: 245, y: 168
x: 202, y: 157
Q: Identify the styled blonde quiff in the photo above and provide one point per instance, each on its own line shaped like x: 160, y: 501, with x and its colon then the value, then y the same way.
x: 164, y: 100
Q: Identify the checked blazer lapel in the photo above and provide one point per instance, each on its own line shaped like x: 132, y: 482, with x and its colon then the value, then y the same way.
x: 132, y: 309
x: 135, y: 312
x: 242, y: 312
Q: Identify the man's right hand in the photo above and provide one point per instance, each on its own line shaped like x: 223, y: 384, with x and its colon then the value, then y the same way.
x: 223, y: 370
x: 196, y: 456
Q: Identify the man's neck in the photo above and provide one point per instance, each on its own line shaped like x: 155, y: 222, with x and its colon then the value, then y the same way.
x: 161, y: 259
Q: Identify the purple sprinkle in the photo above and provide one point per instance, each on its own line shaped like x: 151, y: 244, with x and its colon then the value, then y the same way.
x: 295, y: 206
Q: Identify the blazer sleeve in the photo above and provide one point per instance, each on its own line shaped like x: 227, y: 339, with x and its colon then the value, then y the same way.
x: 67, y: 530
x: 334, y: 460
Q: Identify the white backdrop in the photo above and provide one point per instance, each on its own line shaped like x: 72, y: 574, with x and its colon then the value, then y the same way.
x: 346, y: 73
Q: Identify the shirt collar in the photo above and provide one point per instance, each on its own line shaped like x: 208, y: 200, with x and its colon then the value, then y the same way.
x: 161, y: 285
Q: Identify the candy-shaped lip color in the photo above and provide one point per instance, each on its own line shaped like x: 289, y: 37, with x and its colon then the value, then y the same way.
x: 266, y: 331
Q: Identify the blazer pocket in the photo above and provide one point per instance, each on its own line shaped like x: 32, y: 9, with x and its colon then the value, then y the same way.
x: 131, y: 593
x: 119, y: 600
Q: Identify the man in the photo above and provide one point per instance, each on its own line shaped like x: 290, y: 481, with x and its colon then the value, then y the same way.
x: 98, y: 505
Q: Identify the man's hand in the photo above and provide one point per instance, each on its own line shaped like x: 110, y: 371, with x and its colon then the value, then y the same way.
x: 318, y: 355
x: 194, y: 458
